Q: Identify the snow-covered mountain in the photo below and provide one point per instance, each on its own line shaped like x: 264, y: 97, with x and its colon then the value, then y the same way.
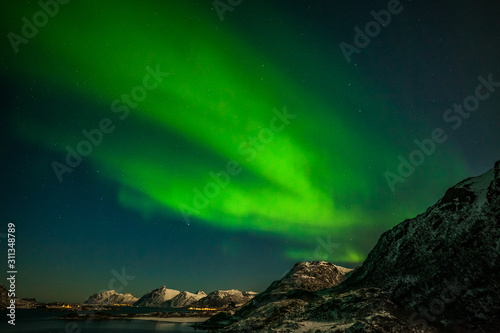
x: 449, y: 255
x: 310, y: 276
x: 299, y: 283
x: 111, y: 297
x: 225, y: 299
x: 184, y: 299
x: 303, y: 279
x: 437, y: 272
x: 157, y: 297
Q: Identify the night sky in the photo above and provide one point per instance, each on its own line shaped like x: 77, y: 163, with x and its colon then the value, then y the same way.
x: 169, y: 143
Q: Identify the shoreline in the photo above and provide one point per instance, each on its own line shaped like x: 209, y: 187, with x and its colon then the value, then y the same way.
x: 174, y: 319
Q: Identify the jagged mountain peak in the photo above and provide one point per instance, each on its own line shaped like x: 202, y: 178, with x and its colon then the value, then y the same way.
x: 455, y: 241
x: 225, y: 298
x: 184, y: 299
x: 156, y: 297
x: 437, y: 272
x: 311, y: 276
x: 110, y: 297
x: 300, y: 282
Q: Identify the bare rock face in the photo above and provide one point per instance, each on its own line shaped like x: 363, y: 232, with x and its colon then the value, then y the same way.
x: 310, y: 276
x: 225, y: 299
x: 156, y: 297
x: 111, y: 297
x: 359, y: 310
x: 437, y: 272
x: 444, y: 264
x: 301, y: 282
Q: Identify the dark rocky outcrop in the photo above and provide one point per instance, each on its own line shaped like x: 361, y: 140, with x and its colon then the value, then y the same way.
x: 437, y: 272
x: 445, y: 263
x: 295, y: 289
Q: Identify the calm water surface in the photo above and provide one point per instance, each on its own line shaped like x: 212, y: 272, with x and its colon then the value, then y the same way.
x: 40, y: 321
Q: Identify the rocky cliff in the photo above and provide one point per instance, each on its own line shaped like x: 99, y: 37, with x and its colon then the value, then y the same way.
x: 437, y: 272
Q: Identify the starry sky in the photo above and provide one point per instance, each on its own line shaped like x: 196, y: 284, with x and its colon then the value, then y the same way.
x: 211, y: 145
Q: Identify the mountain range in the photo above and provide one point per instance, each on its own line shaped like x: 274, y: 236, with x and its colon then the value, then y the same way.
x: 183, y: 299
x: 437, y: 272
x: 111, y: 297
x: 156, y: 297
x: 169, y: 298
x: 224, y: 299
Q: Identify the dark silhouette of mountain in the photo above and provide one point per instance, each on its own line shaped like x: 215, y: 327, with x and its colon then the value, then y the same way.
x: 437, y: 272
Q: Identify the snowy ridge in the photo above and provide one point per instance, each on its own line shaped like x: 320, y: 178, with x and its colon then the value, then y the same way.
x: 184, y: 299
x: 311, y: 276
x: 437, y: 272
x: 111, y: 297
x: 156, y: 297
x: 225, y: 299
x: 283, y: 297
x: 479, y: 185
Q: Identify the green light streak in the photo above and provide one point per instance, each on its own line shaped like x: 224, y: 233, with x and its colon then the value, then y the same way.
x: 220, y: 92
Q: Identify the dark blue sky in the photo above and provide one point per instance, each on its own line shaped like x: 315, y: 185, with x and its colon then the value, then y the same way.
x: 317, y: 190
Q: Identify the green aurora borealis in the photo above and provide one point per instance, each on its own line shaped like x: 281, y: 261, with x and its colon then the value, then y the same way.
x: 301, y: 183
x: 322, y: 174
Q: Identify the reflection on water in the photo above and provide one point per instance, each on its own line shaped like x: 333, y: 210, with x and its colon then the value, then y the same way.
x: 39, y: 321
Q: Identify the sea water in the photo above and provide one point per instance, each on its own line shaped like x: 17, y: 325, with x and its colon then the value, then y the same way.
x: 43, y: 321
